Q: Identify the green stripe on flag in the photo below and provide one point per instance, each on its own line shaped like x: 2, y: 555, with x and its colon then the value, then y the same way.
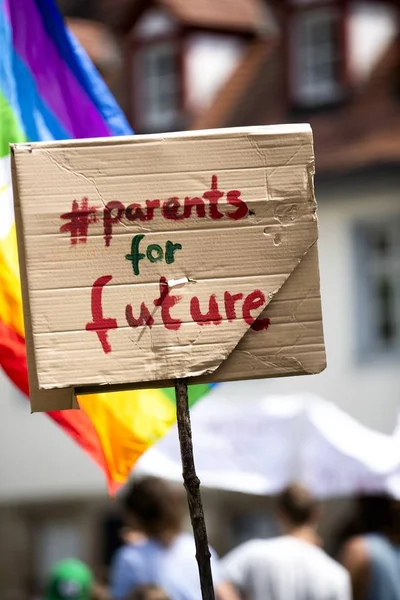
x: 195, y: 392
x: 10, y: 131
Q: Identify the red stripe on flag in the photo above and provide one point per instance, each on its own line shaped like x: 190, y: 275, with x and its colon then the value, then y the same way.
x: 74, y: 422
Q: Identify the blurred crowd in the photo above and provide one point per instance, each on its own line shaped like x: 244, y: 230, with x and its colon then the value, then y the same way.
x: 157, y: 558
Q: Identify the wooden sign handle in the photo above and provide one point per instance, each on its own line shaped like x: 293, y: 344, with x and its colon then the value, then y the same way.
x: 192, y: 485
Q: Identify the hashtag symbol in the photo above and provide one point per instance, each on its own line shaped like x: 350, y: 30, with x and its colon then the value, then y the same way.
x: 81, y: 216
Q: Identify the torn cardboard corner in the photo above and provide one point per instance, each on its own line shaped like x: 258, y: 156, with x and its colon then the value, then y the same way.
x: 150, y: 258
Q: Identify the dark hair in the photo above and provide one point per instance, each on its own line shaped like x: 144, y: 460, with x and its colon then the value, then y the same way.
x: 147, y: 592
x: 371, y: 513
x: 376, y: 513
x: 155, y: 504
x: 297, y: 504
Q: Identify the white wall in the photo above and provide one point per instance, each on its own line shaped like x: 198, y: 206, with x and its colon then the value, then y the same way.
x: 371, y: 29
x: 368, y: 391
x: 37, y: 459
x: 210, y: 60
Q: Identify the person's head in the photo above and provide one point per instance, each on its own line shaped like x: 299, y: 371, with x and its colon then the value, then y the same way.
x: 69, y: 580
x: 155, y: 507
x: 379, y: 513
x: 148, y: 592
x: 296, y: 508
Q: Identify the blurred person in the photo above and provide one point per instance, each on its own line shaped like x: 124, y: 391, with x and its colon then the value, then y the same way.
x: 292, y: 566
x: 129, y: 535
x: 147, y: 592
x: 166, y: 557
x: 372, y: 556
x: 100, y: 592
x: 69, y: 579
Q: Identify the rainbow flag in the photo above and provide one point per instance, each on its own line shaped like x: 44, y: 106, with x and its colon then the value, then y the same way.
x: 50, y: 90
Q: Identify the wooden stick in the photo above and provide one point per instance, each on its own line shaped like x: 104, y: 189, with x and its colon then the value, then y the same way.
x: 192, y: 485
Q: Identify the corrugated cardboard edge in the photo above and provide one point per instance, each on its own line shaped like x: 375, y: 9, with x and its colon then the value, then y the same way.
x: 157, y: 137
x: 41, y: 400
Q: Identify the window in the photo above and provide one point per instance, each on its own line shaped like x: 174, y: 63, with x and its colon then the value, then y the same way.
x: 55, y: 539
x: 159, y: 85
x: 316, y: 55
x: 378, y: 304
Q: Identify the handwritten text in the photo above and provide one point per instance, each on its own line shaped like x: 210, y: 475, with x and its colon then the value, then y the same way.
x: 230, y: 308
x: 211, y: 205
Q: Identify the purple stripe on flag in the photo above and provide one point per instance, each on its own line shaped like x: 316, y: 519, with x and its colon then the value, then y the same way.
x: 56, y: 84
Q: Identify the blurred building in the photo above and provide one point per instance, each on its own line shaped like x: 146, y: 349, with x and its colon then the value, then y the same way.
x: 335, y: 64
x: 177, y: 64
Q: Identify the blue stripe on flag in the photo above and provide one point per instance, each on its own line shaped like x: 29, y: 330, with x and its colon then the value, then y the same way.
x: 19, y: 89
x: 82, y: 68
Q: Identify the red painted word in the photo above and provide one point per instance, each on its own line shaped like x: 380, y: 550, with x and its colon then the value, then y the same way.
x: 213, y: 314
x: 79, y: 219
x: 172, y: 209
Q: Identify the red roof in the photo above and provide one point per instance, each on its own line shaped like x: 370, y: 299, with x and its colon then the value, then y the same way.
x: 245, y: 16
x: 237, y: 15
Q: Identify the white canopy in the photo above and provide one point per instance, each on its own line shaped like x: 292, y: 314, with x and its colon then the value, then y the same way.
x: 259, y: 444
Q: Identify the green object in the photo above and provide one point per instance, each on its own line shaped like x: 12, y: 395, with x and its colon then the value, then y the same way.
x: 69, y: 580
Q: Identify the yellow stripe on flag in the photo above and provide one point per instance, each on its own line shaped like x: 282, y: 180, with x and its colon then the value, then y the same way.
x: 10, y: 289
x: 127, y: 423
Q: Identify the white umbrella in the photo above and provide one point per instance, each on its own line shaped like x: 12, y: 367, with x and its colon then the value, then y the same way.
x: 259, y: 444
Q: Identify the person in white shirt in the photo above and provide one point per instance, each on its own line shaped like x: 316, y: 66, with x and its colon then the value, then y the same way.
x: 290, y: 567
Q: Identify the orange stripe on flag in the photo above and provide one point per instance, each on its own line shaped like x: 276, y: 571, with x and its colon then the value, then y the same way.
x: 75, y: 422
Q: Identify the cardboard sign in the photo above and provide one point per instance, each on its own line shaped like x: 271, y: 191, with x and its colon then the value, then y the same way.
x: 149, y: 258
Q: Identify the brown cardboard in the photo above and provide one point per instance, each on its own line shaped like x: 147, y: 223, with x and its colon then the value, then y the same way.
x: 267, y: 255
x: 41, y: 400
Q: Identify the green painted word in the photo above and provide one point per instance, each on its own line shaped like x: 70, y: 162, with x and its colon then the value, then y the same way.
x: 154, y: 253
